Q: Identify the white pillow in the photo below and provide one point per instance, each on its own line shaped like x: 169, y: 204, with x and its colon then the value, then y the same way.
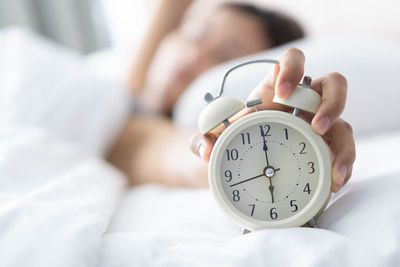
x: 370, y: 65
x: 45, y: 85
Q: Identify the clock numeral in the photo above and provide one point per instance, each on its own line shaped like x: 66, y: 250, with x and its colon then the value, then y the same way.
x: 236, y: 196
x: 245, y: 138
x: 311, y: 164
x: 232, y: 155
x: 286, y: 134
x: 265, y: 130
x: 273, y: 214
x: 293, y: 205
x: 253, y: 206
x: 303, y: 145
x: 228, y: 174
x: 307, y: 188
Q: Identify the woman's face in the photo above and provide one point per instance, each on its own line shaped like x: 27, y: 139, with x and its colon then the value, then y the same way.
x: 228, y: 34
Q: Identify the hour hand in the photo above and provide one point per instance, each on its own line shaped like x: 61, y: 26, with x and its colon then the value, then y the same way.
x: 271, y: 189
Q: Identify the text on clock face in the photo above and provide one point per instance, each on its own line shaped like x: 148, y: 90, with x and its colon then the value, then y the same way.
x: 269, y: 171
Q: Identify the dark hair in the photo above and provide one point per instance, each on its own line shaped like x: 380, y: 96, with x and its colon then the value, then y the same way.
x: 279, y: 28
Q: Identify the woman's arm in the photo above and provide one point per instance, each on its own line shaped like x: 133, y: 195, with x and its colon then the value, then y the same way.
x: 166, y: 17
x: 152, y: 150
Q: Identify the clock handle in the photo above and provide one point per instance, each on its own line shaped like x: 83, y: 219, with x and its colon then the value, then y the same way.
x: 303, y: 97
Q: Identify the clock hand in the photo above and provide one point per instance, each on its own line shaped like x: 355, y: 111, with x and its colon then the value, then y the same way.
x: 247, y: 180
x: 271, y: 189
x: 269, y: 172
x: 265, y: 148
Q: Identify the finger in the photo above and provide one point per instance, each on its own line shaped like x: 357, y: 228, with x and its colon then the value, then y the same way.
x: 266, y: 91
x: 344, y: 150
x: 270, y: 80
x: 201, y: 145
x: 291, y: 64
x: 333, y: 88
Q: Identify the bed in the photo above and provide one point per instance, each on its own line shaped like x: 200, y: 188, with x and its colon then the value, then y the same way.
x: 63, y: 205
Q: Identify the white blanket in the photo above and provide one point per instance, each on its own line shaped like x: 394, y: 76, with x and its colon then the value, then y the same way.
x: 156, y: 226
x: 55, y: 200
x: 62, y: 205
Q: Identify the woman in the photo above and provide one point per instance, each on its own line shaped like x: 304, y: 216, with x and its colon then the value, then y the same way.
x: 170, y: 58
x: 152, y: 150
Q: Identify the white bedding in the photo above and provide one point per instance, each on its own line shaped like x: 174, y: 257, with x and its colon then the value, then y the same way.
x: 57, y: 204
x: 56, y: 200
x: 360, y: 227
x: 61, y: 205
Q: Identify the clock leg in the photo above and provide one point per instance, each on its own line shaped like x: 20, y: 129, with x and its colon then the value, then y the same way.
x: 312, y: 224
x: 245, y: 231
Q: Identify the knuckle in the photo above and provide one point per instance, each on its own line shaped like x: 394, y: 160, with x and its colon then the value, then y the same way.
x: 348, y: 126
x: 338, y: 77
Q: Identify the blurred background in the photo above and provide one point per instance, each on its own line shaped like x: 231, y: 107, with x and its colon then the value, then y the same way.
x: 358, y: 38
x: 84, y: 25
x: 89, y: 25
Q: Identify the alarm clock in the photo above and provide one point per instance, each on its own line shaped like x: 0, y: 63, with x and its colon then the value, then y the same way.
x: 267, y: 169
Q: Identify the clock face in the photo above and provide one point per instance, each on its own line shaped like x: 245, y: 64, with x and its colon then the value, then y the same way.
x: 269, y: 171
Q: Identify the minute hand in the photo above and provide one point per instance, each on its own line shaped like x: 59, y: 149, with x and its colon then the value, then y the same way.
x: 247, y: 180
x: 265, y: 148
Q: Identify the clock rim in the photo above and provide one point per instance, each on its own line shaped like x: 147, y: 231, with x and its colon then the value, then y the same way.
x: 321, y: 195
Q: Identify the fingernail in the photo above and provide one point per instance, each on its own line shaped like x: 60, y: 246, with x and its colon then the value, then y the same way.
x: 341, y: 173
x: 284, y: 90
x: 202, y: 149
x: 322, y: 125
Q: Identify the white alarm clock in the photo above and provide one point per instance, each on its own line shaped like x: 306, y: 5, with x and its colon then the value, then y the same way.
x: 268, y: 169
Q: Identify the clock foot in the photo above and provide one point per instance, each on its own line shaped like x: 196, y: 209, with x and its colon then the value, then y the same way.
x: 245, y: 231
x: 312, y: 224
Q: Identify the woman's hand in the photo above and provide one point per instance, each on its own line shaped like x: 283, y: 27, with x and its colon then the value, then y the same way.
x: 282, y: 81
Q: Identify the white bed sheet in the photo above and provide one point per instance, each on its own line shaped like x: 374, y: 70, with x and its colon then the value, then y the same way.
x: 61, y: 205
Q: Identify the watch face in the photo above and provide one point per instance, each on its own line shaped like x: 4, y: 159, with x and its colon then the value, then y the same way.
x: 268, y: 170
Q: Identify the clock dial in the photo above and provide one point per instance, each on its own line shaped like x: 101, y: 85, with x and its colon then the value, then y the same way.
x: 269, y: 171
